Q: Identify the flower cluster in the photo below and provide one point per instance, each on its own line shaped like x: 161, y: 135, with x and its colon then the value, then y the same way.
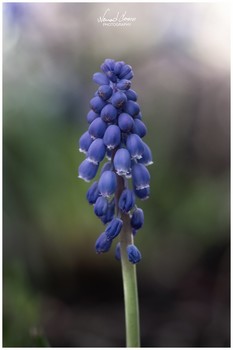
x: 115, y: 131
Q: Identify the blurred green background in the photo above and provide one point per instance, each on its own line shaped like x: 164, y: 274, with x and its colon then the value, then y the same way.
x: 56, y: 290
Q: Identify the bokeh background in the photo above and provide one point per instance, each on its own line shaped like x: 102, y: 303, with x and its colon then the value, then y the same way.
x: 56, y: 290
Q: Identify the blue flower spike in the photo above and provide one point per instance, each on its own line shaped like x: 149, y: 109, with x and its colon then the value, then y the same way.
x: 115, y: 131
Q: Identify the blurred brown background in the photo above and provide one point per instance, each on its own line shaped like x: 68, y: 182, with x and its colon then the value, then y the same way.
x: 57, y: 291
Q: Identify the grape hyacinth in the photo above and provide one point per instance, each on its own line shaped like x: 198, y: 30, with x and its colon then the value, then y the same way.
x: 115, y: 131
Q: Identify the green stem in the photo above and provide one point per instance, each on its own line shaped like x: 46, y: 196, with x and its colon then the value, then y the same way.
x: 130, y: 288
x: 129, y: 278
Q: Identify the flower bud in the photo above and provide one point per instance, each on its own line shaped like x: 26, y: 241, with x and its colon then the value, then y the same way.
x: 112, y: 76
x: 110, y: 63
x: 97, y: 128
x: 112, y: 137
x: 135, y: 146
x: 91, y: 115
x: 84, y: 142
x: 100, y: 78
x: 125, y: 70
x: 137, y: 219
x: 118, y: 66
x: 105, y: 92
x: 140, y: 176
x: 122, y: 162
x: 108, y: 113
x: 125, y: 122
x: 103, y: 244
x: 124, y: 84
x: 118, y: 99
x: 126, y: 200
x: 131, y: 108
x: 130, y: 75
x: 96, y: 151
x: 139, y: 128
x: 97, y: 104
x: 100, y: 206
x: 134, y: 254
x: 107, y: 183
x: 93, y: 193
x: 87, y: 170
x: 131, y: 95
x: 114, y: 228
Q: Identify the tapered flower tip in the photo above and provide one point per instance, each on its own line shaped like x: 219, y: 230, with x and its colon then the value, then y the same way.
x: 114, y: 228
x: 97, y: 104
x: 107, y: 183
x: 97, y: 128
x: 141, y: 176
x: 122, y: 162
x: 125, y: 122
x: 124, y: 84
x: 103, y: 244
x: 109, y: 113
x: 135, y: 146
x: 146, y: 156
x: 131, y: 95
x: 142, y: 194
x: 91, y: 115
x: 112, y: 137
x: 93, y: 193
x: 100, y: 78
x: 105, y: 92
x: 139, y: 128
x: 133, y: 253
x: 118, y: 251
x: 126, y: 200
x: 131, y: 108
x: 87, y: 170
x: 85, y: 142
x: 96, y: 151
x: 118, y: 99
x: 137, y: 219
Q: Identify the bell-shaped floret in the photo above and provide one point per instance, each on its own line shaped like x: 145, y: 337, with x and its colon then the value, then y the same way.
x: 112, y: 137
x: 122, y: 161
x: 107, y: 183
x: 96, y: 151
